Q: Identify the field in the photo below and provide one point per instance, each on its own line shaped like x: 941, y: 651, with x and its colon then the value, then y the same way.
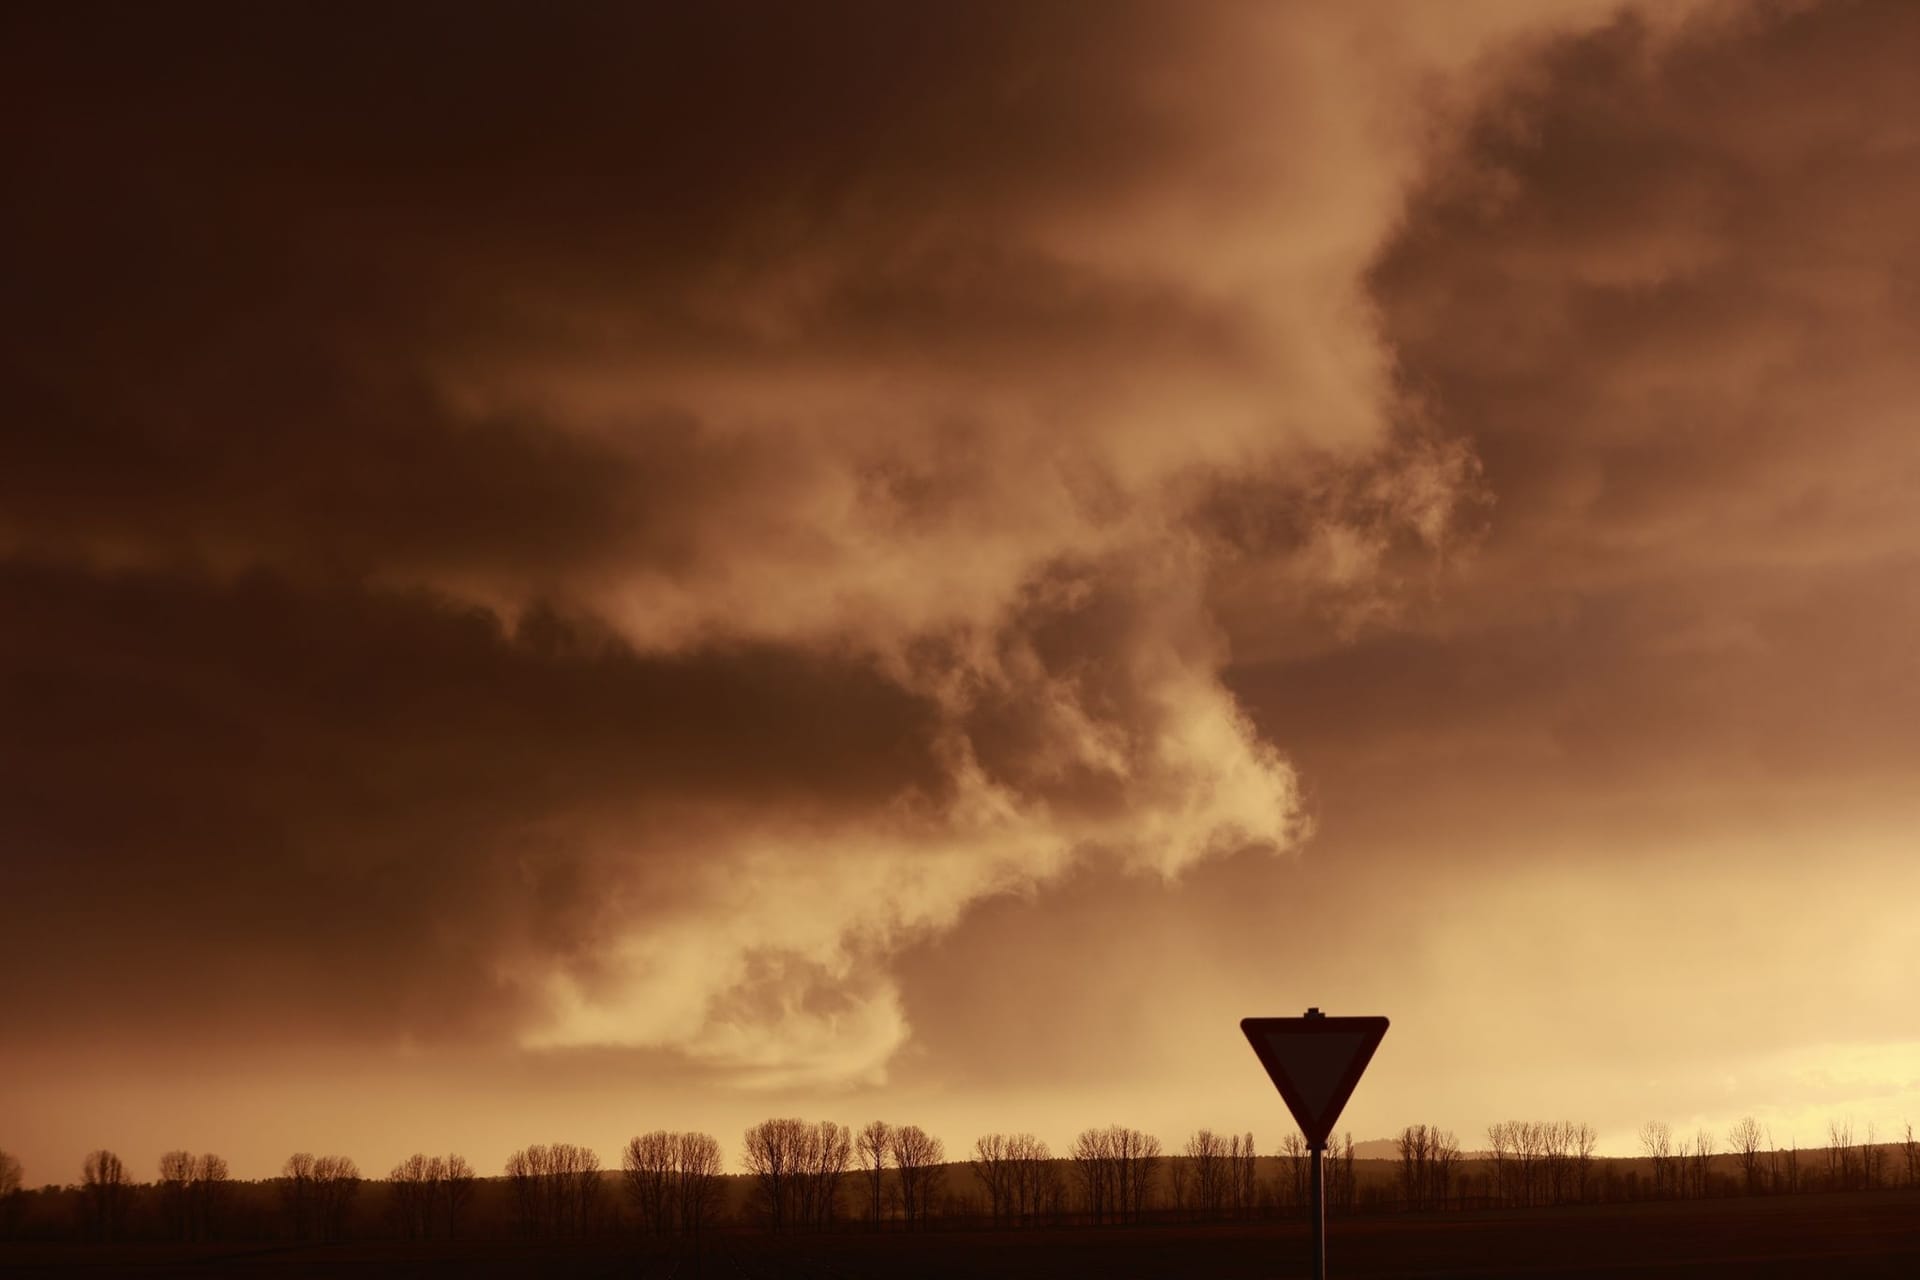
x: 1863, y: 1234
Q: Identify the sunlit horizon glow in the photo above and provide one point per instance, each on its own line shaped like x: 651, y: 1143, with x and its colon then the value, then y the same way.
x: 878, y: 562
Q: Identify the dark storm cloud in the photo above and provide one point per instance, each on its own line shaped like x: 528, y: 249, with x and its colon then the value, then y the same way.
x: 247, y: 271
x: 597, y: 527
x: 341, y: 811
x: 1667, y: 290
x: 1663, y: 286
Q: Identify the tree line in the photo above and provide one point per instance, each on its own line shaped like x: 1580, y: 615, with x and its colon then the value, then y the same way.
x: 822, y: 1176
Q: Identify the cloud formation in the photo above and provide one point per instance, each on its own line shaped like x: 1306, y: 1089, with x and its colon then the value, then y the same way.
x: 597, y: 532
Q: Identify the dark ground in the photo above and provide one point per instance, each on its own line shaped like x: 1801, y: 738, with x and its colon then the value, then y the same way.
x: 1871, y: 1234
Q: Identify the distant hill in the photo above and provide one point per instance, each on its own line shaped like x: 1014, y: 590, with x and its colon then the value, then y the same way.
x: 1377, y: 1149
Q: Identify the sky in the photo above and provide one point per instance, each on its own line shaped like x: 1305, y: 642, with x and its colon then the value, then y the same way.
x: 575, y: 571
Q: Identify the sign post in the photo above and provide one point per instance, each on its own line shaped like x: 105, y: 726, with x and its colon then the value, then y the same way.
x: 1315, y: 1062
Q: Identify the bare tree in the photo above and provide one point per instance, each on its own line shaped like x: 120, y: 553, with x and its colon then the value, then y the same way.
x: 1036, y: 1182
x: 797, y: 1169
x: 556, y: 1188
x: 336, y: 1182
x: 916, y: 1157
x: 415, y: 1184
x: 457, y: 1192
x: 297, y: 1193
x: 523, y: 1178
x: 1789, y: 1175
x: 1349, y: 1185
x: 1445, y: 1154
x: 574, y: 1187
x: 1143, y: 1154
x: 1556, y: 1160
x: 1116, y: 1167
x: 1529, y: 1146
x: 1584, y: 1140
x: 992, y: 1166
x: 1243, y: 1180
x: 211, y: 1188
x: 1428, y: 1157
x: 1744, y: 1140
x: 1499, y: 1151
x: 771, y: 1152
x: 1702, y: 1162
x: 672, y: 1180
x: 10, y: 1194
x: 175, y: 1186
x: 1207, y: 1156
x: 107, y: 1193
x: 697, y: 1181
x: 1843, y: 1157
x: 825, y: 1151
x: 1657, y: 1139
x: 1093, y: 1168
x: 1299, y: 1167
x: 1908, y: 1149
x: 872, y: 1146
x: 647, y: 1167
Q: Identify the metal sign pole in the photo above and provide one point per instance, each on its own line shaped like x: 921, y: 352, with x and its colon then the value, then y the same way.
x: 1319, y: 1214
x: 1315, y: 1061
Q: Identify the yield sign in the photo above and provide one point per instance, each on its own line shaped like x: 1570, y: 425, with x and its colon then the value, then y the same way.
x: 1315, y: 1062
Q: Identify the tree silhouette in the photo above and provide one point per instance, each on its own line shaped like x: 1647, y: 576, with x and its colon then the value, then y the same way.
x: 1657, y: 1140
x: 107, y: 1193
x: 1744, y: 1140
x: 1787, y: 1176
x: 872, y: 1146
x: 1445, y: 1150
x: 825, y: 1151
x: 297, y: 1193
x: 1584, y: 1142
x: 916, y: 1158
x: 11, y: 1199
x: 771, y: 1153
x: 1843, y: 1157
x: 1702, y: 1162
x: 993, y: 1169
x: 647, y: 1167
x: 556, y: 1188
x: 458, y: 1189
x: 1207, y: 1156
x: 698, y: 1181
x: 336, y: 1183
x: 1349, y: 1185
x: 1415, y: 1147
x: 176, y: 1193
x: 1015, y: 1170
x: 210, y: 1190
x: 1299, y: 1167
x: 1094, y: 1169
x: 416, y: 1184
x: 1242, y: 1180
x: 672, y: 1180
x: 318, y: 1193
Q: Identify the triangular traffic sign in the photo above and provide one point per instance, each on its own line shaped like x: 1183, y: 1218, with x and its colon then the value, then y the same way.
x: 1315, y: 1062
